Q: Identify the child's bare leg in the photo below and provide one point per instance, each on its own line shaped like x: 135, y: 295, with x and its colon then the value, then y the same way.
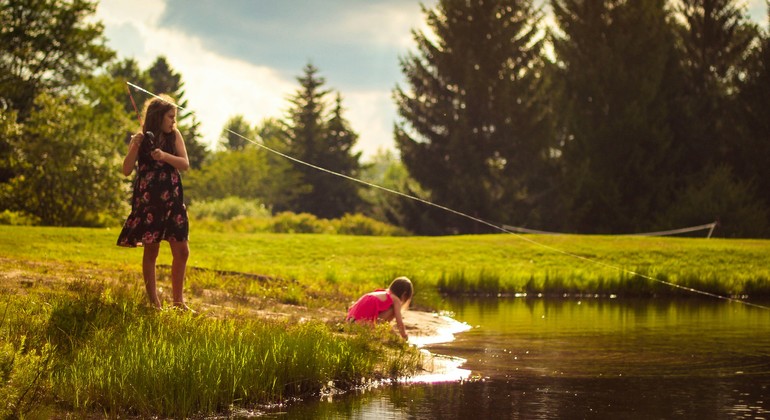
x: 148, y: 271
x: 180, y: 251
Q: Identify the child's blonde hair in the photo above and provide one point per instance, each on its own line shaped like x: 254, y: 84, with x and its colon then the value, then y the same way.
x: 402, y: 287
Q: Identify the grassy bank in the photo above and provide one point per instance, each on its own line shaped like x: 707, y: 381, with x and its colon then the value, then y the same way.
x: 92, y: 345
x: 77, y: 336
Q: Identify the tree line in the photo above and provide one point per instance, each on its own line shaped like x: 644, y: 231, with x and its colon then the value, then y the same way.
x: 619, y: 116
x: 622, y: 116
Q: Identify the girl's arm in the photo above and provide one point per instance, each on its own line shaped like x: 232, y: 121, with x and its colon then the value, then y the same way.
x: 133, y: 151
x: 399, y: 320
x: 179, y: 161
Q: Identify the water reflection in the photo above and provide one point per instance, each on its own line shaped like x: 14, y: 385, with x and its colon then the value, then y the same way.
x: 591, y: 358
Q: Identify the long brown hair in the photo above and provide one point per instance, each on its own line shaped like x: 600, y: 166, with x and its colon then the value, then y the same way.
x: 402, y: 287
x: 154, y: 110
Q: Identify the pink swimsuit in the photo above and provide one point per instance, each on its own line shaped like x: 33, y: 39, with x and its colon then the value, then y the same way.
x: 369, y: 306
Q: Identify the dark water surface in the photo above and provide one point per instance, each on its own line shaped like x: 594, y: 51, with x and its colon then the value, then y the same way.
x: 590, y: 358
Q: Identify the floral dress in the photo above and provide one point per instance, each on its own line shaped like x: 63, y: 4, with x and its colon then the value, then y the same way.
x: 157, y: 203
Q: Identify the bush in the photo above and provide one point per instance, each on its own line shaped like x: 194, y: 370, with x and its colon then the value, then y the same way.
x: 228, y: 209
x: 288, y: 222
x: 235, y: 214
x: 358, y: 224
x: 18, y: 218
x: 719, y: 196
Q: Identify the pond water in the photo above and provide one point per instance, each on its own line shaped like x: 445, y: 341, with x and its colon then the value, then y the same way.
x: 589, y: 358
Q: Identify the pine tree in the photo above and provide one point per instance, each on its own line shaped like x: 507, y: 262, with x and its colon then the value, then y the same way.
x: 753, y: 110
x: 475, y: 126
x: 239, y: 125
x: 615, y: 73
x: 715, y: 38
x: 324, y: 141
x: 343, y: 195
x: 128, y: 70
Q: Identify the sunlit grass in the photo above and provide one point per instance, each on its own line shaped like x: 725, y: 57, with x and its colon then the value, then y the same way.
x: 484, y: 264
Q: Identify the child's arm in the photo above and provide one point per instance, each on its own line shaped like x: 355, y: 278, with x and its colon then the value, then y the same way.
x: 178, y: 160
x: 399, y: 320
x: 133, y: 151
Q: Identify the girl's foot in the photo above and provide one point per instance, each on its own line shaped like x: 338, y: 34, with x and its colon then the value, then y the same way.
x: 184, y: 308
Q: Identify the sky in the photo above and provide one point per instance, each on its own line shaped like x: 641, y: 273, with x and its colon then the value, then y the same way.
x: 243, y: 57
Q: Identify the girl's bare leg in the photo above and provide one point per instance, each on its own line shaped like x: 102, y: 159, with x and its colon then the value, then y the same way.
x: 148, y: 271
x: 180, y: 252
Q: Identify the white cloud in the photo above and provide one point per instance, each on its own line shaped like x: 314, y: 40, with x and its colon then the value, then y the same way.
x: 371, y: 115
x: 216, y: 87
x: 381, y: 24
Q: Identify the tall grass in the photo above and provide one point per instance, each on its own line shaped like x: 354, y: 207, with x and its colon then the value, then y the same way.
x: 97, y: 349
x: 631, y: 282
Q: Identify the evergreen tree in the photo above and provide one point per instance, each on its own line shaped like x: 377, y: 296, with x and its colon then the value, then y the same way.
x: 239, y: 125
x: 616, y: 76
x: 248, y: 171
x: 475, y: 130
x: 342, y: 195
x: 753, y: 107
x: 128, y: 70
x: 324, y: 141
x: 715, y: 38
x: 284, y: 184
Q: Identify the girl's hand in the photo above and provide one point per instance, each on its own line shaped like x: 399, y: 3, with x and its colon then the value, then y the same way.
x: 158, y: 154
x: 136, y: 140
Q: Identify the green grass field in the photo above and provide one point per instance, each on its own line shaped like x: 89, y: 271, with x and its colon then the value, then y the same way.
x: 503, y: 263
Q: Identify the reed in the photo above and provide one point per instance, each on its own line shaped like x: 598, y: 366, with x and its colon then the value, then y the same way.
x: 633, y: 282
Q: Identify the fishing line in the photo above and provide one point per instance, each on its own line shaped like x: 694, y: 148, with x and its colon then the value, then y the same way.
x: 475, y: 219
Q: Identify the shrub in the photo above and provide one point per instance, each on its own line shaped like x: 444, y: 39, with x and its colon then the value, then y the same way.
x: 358, y: 224
x: 228, y: 209
x: 288, y: 222
x: 18, y: 218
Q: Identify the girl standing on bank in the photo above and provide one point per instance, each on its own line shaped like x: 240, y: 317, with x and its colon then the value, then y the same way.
x: 158, y: 211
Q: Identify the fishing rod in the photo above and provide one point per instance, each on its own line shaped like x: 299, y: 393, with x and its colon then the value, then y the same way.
x: 475, y: 219
x: 148, y: 135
